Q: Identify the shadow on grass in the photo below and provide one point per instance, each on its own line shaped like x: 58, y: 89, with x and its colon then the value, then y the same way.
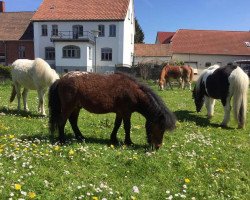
x: 70, y: 138
x: 21, y: 113
x: 187, y: 115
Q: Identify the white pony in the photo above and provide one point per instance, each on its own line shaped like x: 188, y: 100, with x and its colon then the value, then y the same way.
x: 32, y: 75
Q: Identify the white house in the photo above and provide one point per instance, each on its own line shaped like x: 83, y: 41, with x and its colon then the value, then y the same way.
x: 89, y: 35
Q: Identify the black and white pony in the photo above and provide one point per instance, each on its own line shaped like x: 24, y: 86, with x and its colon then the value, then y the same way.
x: 223, y: 83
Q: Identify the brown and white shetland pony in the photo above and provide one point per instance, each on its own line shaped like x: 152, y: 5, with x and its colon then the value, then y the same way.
x: 98, y: 93
x: 183, y: 74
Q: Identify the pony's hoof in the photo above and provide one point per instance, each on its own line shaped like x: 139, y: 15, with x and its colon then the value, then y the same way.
x: 114, y: 141
x: 128, y: 142
x: 80, y: 138
x: 223, y: 125
x: 209, y: 116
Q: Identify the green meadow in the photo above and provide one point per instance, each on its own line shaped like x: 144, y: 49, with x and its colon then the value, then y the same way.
x: 199, y: 160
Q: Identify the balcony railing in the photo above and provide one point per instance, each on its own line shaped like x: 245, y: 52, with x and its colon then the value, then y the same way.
x: 72, y: 36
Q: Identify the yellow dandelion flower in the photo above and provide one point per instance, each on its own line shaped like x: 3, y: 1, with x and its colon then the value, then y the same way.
x: 56, y: 148
x: 187, y: 180
x: 11, y: 136
x: 71, y: 152
x: 112, y: 146
x: 219, y: 170
x: 32, y: 195
x: 94, y: 198
x: 133, y: 198
x: 18, y: 186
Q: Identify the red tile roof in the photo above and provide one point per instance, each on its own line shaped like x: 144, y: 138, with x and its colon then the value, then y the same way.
x: 16, y: 26
x: 211, y: 42
x: 60, y: 10
x: 164, y: 37
x: 152, y: 50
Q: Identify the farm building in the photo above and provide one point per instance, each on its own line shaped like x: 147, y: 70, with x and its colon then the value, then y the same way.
x: 16, y: 35
x: 91, y: 36
x: 202, y: 48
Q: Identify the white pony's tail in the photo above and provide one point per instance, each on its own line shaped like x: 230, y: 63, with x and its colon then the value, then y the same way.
x: 239, y: 82
x: 13, y: 94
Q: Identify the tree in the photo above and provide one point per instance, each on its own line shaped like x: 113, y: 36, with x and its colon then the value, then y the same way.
x: 139, y: 35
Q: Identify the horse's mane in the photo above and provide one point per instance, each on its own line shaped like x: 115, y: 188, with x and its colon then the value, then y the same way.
x: 156, y: 107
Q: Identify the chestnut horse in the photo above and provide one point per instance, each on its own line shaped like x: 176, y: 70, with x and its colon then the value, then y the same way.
x: 183, y: 74
x: 99, y: 93
x: 223, y: 83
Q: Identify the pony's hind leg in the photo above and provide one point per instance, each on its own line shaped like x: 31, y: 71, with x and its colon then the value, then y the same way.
x: 73, y: 122
x: 210, y: 102
x: 113, y: 136
x: 227, y: 109
x: 25, y: 94
x: 18, y: 94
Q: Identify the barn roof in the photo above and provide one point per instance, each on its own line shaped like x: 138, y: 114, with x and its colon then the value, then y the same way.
x: 16, y: 26
x: 211, y: 42
x: 154, y: 50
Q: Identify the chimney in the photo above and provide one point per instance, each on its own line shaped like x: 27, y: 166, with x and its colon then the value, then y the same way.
x: 2, y: 6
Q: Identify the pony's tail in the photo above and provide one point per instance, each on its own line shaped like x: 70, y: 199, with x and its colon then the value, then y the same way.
x: 13, y: 94
x: 191, y: 74
x: 54, y: 107
x: 240, y: 84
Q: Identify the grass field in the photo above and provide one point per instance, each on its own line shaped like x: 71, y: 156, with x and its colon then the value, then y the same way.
x: 198, y: 160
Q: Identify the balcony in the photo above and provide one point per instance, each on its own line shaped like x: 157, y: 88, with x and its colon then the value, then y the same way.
x: 70, y: 36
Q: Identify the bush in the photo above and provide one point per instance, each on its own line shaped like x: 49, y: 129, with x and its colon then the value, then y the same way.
x: 5, y: 71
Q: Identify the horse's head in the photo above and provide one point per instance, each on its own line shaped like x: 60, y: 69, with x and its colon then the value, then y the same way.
x: 155, y: 130
x: 199, y: 98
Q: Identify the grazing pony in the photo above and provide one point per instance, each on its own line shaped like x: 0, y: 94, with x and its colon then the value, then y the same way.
x: 223, y: 83
x: 34, y: 75
x: 117, y: 93
x: 183, y: 74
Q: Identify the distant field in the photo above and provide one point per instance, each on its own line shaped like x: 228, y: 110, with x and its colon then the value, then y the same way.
x: 199, y: 160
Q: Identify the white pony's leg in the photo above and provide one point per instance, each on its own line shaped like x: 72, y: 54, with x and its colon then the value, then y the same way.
x: 18, y: 94
x: 227, y: 109
x: 41, y: 94
x: 209, y: 102
x: 25, y: 94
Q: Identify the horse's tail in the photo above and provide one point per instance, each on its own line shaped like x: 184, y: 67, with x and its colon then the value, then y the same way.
x: 54, y: 107
x: 13, y: 94
x: 191, y: 74
x: 240, y: 83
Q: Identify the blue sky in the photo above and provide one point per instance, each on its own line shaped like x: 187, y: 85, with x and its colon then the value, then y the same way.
x: 166, y: 15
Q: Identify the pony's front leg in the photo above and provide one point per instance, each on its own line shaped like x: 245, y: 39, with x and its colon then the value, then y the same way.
x: 127, y: 127
x: 73, y: 122
x: 113, y: 136
x: 209, y: 102
x: 227, y: 109
x: 170, y: 85
x: 25, y: 94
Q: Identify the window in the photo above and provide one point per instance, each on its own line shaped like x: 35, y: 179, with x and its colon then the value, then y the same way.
x: 207, y: 64
x: 112, y: 30
x: 71, y: 52
x: 54, y: 30
x: 106, y: 54
x: 49, y: 53
x: 44, y: 30
x: 101, y: 29
x: 90, y: 53
x: 77, y: 31
x: 21, y: 52
x: 247, y: 44
x: 2, y: 57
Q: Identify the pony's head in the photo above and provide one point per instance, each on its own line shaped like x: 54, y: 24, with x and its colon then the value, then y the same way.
x: 156, y: 129
x: 199, y: 98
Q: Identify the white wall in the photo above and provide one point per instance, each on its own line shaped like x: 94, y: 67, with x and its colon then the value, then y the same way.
x: 203, y: 59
